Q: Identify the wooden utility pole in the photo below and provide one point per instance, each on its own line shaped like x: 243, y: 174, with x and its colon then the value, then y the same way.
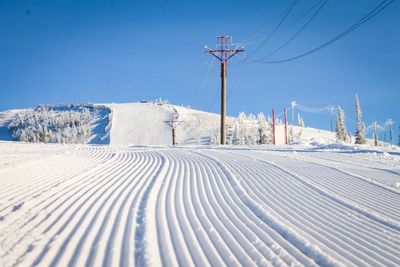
x: 173, y: 123
x: 273, y: 127
x: 286, y: 127
x: 223, y: 54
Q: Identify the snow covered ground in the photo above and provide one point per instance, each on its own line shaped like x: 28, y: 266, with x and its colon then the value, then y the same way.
x: 91, y: 205
x: 144, y: 124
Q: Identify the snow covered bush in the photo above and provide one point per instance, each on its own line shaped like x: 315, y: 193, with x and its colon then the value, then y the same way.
x: 52, y: 126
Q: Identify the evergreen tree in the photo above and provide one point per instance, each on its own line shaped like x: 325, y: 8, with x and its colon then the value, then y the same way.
x: 236, y: 133
x: 375, y: 126
x: 264, y: 130
x: 389, y: 124
x: 242, y: 128
x: 341, y: 132
x: 360, y: 131
x: 300, y: 120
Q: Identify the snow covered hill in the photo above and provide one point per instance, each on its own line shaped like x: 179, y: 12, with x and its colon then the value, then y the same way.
x: 145, y: 124
x: 85, y: 205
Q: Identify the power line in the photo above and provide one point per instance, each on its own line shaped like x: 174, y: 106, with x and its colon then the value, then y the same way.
x: 304, y: 14
x: 296, y: 34
x: 203, y: 91
x: 235, y: 83
x: 251, y: 40
x: 289, y: 9
x: 195, y: 95
x: 199, y: 95
x: 360, y: 22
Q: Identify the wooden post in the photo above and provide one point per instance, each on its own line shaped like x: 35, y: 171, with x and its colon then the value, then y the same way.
x: 286, y: 127
x: 273, y: 127
x: 173, y: 136
x: 223, y: 103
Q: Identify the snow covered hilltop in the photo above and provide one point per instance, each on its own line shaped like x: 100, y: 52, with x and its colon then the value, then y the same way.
x: 141, y: 124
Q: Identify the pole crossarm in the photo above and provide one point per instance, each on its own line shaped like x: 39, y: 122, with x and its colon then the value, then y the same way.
x: 228, y: 53
x: 173, y: 124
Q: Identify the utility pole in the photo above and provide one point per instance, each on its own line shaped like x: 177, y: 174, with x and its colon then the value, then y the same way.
x: 223, y: 53
x: 273, y: 127
x: 286, y: 127
x: 293, y: 104
x: 173, y: 123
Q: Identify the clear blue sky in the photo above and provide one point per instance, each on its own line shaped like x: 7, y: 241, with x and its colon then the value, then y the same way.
x: 58, y: 51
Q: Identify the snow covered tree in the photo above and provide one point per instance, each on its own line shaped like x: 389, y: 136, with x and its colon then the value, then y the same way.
x: 375, y: 133
x: 264, y: 130
x: 300, y: 120
x: 214, y: 137
x: 399, y: 137
x: 341, y: 132
x: 389, y: 125
x: 251, y: 130
x: 236, y: 133
x: 52, y: 126
x: 360, y: 131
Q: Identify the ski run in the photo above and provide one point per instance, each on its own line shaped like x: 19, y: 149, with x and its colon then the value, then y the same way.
x: 86, y: 205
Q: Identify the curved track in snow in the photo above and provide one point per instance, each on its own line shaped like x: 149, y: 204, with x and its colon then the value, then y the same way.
x: 148, y: 206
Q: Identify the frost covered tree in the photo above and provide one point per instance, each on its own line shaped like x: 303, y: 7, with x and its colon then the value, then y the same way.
x: 360, y: 130
x: 375, y: 133
x: 264, y: 130
x: 251, y: 130
x: 389, y: 125
x: 242, y: 128
x: 214, y: 137
x: 52, y: 126
x: 341, y: 132
x: 399, y: 137
x: 236, y: 133
x: 300, y: 121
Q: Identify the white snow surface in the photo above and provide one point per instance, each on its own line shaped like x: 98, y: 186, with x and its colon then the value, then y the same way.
x: 101, y: 205
x: 145, y: 124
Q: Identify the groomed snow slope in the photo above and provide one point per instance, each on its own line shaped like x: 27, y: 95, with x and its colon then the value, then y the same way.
x: 112, y: 206
x: 144, y: 124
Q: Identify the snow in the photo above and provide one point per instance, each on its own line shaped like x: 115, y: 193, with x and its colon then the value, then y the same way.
x: 73, y: 123
x: 130, y: 198
x: 144, y: 124
x: 91, y: 205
